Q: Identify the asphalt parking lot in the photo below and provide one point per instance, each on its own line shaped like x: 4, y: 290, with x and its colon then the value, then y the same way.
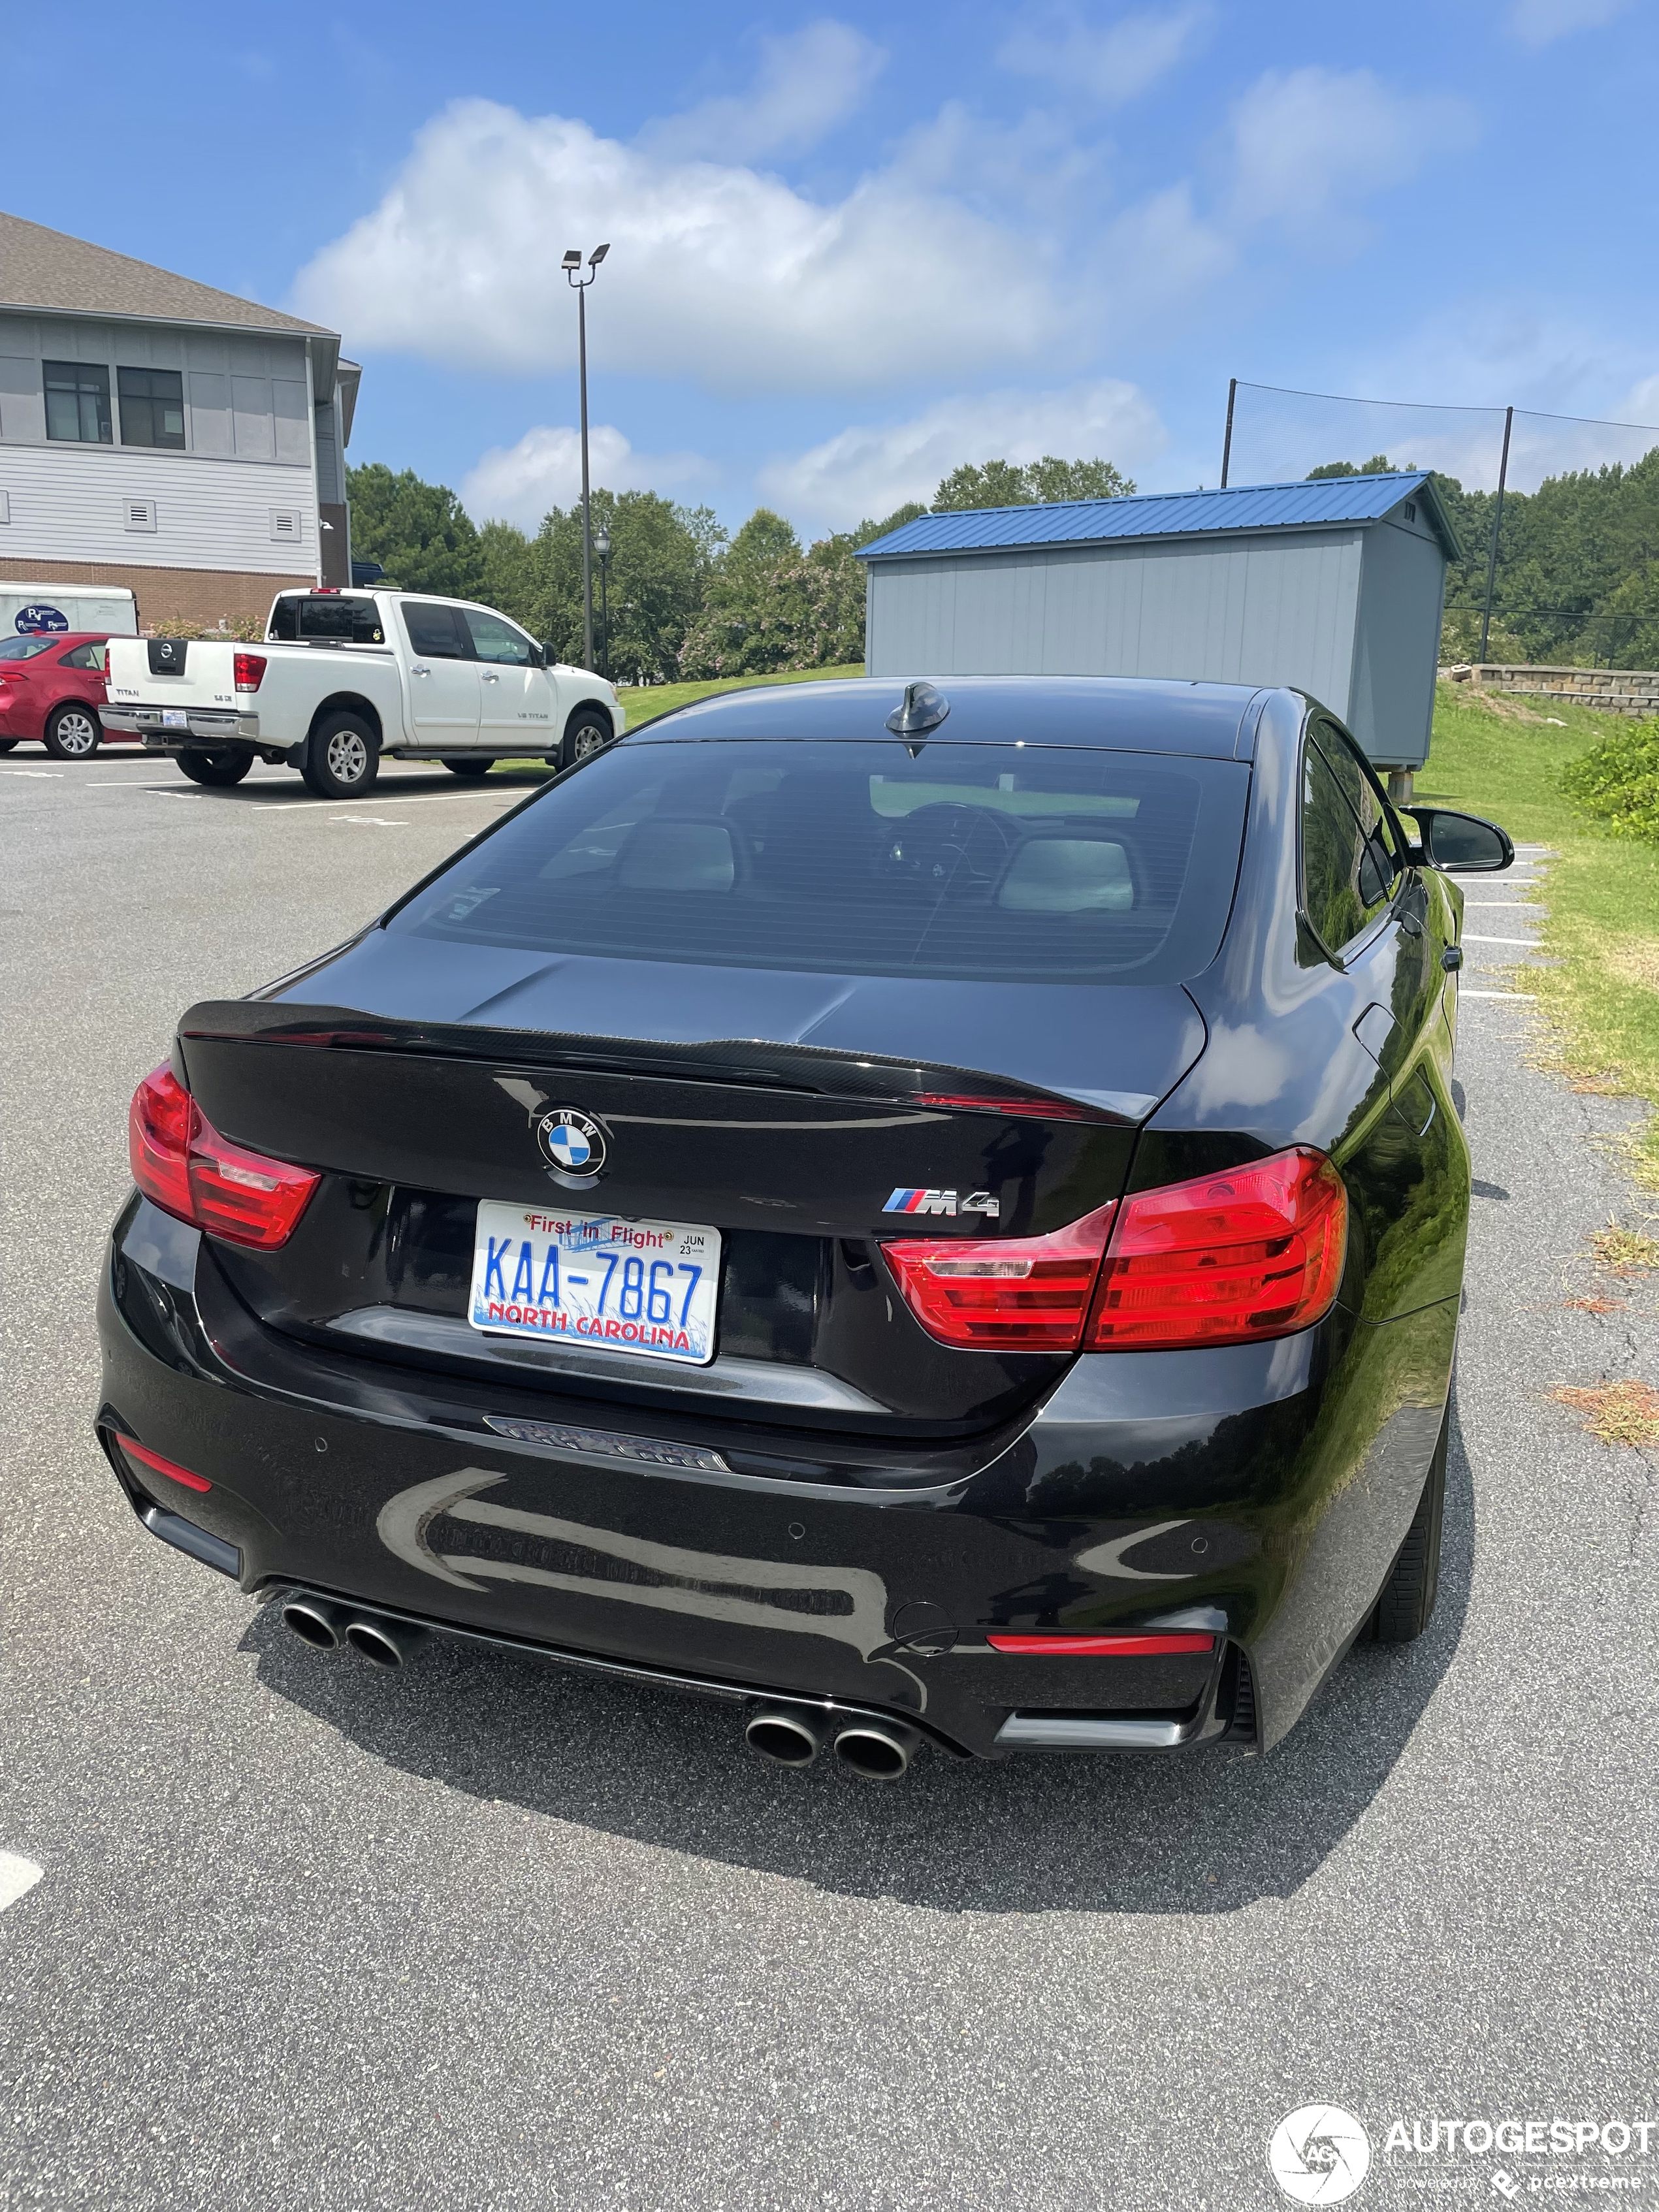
x: 485, y: 1934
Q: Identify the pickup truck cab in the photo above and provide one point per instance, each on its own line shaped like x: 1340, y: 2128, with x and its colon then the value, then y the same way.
x: 343, y: 678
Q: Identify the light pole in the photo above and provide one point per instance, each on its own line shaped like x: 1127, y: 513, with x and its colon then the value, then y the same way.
x: 602, y: 547
x: 578, y: 284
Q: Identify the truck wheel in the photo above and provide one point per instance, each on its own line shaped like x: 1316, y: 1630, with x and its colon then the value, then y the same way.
x: 1407, y: 1603
x: 217, y: 768
x: 470, y: 767
x: 72, y: 732
x: 343, y: 758
x: 587, y: 732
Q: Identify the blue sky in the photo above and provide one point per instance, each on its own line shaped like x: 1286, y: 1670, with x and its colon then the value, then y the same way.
x: 852, y: 248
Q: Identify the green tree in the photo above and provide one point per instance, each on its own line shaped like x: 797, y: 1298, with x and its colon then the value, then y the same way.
x: 1379, y: 466
x: 769, y: 607
x: 661, y: 557
x: 420, y: 533
x: 1007, y: 483
x: 507, y: 579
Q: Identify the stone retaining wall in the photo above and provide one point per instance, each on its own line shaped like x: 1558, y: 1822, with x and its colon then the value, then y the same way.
x: 1615, y: 691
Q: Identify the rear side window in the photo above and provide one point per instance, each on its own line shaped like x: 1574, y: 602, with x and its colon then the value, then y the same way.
x: 980, y: 861
x: 1383, y: 860
x: 90, y: 657
x: 327, y: 618
x: 1348, y: 869
x: 435, y: 632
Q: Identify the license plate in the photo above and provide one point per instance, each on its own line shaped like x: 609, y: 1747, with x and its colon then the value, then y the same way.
x: 647, y: 1287
x: 174, y: 718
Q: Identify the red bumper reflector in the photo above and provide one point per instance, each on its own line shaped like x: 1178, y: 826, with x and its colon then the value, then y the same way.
x: 147, y: 1458
x: 1153, y: 1646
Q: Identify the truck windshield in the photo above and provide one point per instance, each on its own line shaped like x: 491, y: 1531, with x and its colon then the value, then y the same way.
x: 998, y: 862
x: 325, y: 618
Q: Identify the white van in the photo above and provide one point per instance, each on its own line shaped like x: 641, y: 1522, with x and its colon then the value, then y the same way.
x: 27, y: 607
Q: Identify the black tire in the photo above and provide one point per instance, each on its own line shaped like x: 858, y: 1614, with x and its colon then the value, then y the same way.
x: 216, y: 768
x: 1407, y: 1603
x: 342, y: 758
x: 73, y: 732
x: 587, y: 732
x: 7, y: 743
x: 472, y: 768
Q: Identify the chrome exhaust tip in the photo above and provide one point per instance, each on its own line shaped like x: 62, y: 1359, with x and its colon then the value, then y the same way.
x: 881, y: 1751
x: 382, y: 1643
x: 787, y: 1737
x: 314, y: 1622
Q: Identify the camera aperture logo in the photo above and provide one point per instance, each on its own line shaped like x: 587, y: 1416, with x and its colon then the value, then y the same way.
x: 1319, y: 2154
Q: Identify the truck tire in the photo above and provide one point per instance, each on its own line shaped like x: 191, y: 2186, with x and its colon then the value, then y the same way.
x: 342, y: 758
x: 73, y: 732
x: 469, y: 768
x: 587, y: 732
x: 1407, y: 1602
x: 224, y: 767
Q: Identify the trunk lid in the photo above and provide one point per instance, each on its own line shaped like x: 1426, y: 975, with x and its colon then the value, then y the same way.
x: 171, y: 671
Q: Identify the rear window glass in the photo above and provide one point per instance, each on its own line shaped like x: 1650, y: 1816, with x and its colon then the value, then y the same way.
x: 333, y: 619
x: 1045, y: 864
x: 25, y: 648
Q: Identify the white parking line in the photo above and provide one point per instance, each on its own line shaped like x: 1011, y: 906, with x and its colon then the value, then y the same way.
x: 369, y: 821
x: 18, y: 1875
x: 1469, y: 939
x: 56, y: 774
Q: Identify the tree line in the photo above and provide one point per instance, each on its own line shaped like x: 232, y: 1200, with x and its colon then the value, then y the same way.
x: 684, y: 598
x: 1577, y: 575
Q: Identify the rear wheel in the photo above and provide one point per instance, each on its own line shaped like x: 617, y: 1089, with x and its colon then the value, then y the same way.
x: 587, y: 732
x: 342, y: 758
x: 1404, y: 1609
x: 469, y: 768
x: 216, y: 767
x: 72, y: 732
x: 6, y: 744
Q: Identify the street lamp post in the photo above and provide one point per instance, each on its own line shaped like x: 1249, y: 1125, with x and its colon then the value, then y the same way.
x: 602, y: 547
x: 578, y: 284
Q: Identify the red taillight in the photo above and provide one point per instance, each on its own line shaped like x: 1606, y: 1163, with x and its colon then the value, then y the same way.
x: 181, y: 1162
x: 1225, y: 1258
x: 166, y: 1467
x: 250, y: 669
x: 1146, y: 1646
x: 1004, y: 1293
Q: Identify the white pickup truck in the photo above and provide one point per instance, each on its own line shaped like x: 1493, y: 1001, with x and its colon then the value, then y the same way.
x: 343, y: 677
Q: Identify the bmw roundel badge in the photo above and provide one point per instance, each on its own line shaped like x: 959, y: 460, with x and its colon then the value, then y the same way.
x: 573, y: 1143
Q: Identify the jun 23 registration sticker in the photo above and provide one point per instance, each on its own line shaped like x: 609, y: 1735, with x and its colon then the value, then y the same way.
x: 647, y: 1287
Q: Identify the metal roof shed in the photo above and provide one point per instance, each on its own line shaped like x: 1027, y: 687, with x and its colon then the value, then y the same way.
x: 1334, y: 587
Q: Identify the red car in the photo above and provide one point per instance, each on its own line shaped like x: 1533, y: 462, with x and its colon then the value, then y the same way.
x: 51, y: 689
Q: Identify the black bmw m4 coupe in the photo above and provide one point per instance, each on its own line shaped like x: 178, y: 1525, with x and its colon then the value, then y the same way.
x: 931, y: 1219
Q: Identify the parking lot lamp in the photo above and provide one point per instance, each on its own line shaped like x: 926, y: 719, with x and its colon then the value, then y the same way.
x: 602, y: 547
x: 578, y: 284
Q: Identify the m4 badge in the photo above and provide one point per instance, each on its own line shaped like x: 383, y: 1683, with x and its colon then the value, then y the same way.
x: 941, y: 1201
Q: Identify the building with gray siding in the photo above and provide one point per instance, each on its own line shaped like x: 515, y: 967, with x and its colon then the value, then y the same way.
x: 162, y: 436
x: 1334, y: 587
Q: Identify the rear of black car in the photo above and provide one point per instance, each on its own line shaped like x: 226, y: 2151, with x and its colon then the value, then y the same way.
x: 698, y: 1231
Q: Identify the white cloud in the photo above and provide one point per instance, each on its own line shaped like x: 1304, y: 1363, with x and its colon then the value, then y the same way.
x: 1108, y: 66
x: 716, y: 272
x: 869, y: 470
x: 518, y: 484
x: 807, y: 84
x: 1539, y: 22
x: 1309, y: 142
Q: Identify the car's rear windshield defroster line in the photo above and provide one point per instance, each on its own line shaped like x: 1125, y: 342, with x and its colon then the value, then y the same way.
x: 992, y: 862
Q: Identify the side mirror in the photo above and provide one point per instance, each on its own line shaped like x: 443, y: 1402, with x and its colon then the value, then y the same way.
x: 1461, y: 844
x: 550, y: 656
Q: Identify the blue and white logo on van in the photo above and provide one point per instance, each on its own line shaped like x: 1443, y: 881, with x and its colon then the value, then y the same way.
x: 941, y: 1201
x: 40, y: 617
x: 574, y: 1143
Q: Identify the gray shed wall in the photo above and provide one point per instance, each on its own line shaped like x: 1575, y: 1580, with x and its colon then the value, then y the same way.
x: 1315, y: 608
x: 1396, y: 645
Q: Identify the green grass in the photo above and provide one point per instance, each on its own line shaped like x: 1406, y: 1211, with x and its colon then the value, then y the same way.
x: 1498, y: 756
x: 645, y: 702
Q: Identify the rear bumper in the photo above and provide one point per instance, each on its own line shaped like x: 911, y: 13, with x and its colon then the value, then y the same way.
x: 209, y: 724
x: 1239, y: 1492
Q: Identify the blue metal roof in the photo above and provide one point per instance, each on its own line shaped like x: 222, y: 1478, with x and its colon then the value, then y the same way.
x: 1328, y: 500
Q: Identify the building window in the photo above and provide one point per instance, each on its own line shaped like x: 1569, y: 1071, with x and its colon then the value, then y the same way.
x: 77, y: 403
x: 152, y: 407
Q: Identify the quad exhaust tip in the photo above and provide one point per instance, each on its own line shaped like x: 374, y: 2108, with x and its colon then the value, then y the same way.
x: 791, y: 1736
x: 328, y: 1627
